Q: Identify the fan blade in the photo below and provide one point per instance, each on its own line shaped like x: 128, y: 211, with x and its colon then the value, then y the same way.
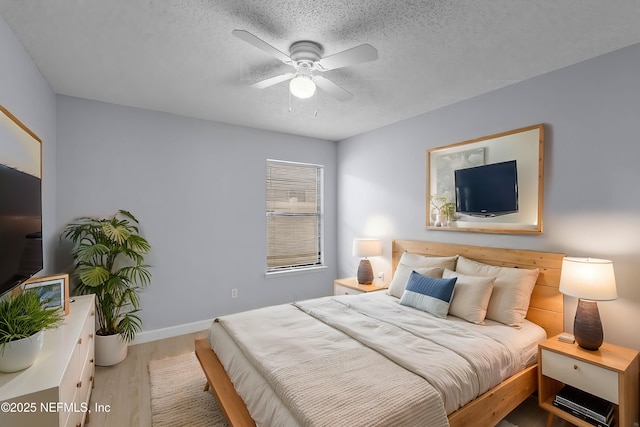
x: 355, y: 55
x: 273, y: 80
x: 261, y: 44
x: 331, y: 88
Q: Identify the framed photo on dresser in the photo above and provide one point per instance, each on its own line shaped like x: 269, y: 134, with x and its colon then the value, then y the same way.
x: 53, y: 290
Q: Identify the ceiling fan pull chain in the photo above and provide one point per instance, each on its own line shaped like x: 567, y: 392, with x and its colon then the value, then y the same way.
x: 289, y: 92
x: 315, y: 103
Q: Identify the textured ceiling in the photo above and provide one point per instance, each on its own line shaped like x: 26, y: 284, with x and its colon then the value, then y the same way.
x: 180, y: 56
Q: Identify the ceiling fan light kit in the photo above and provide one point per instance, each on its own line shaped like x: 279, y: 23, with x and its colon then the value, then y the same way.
x: 302, y: 86
x: 306, y: 57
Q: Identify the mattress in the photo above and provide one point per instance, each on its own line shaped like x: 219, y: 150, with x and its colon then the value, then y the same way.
x: 263, y: 350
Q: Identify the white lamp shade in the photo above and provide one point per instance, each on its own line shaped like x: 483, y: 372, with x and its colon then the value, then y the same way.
x: 367, y: 247
x: 302, y: 86
x: 588, y: 278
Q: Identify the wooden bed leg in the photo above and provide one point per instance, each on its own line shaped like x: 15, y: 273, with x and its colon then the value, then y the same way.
x: 550, y: 419
x: 206, y: 386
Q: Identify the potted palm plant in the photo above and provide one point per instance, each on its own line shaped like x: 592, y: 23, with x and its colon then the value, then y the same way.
x: 23, y: 318
x: 109, y: 258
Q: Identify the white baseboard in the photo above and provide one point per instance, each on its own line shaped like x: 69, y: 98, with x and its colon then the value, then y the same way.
x: 172, y: 331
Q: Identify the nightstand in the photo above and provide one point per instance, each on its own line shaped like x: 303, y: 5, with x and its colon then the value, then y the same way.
x: 350, y: 286
x: 611, y: 372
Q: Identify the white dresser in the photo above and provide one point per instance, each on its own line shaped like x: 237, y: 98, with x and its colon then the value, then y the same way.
x: 55, y: 390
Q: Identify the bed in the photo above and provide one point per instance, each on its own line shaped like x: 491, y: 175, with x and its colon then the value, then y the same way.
x: 276, y: 399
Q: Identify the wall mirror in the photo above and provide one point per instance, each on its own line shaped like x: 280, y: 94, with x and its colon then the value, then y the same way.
x: 492, y: 184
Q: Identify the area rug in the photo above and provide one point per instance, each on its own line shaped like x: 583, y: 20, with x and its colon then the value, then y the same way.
x: 505, y: 423
x: 178, y: 397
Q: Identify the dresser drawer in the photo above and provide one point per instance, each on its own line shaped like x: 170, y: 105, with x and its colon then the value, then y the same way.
x: 85, y: 342
x: 343, y: 290
x: 584, y: 376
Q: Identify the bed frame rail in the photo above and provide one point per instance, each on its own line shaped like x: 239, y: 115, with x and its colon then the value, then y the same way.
x: 217, y: 379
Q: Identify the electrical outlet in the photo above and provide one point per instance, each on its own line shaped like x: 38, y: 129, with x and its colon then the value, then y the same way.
x: 234, y: 293
x: 381, y: 276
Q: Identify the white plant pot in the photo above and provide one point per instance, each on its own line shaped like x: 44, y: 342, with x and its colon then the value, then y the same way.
x: 441, y: 220
x: 20, y: 354
x: 110, y: 349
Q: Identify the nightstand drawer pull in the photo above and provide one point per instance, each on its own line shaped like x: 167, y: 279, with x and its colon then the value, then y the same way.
x: 343, y: 290
x: 591, y: 378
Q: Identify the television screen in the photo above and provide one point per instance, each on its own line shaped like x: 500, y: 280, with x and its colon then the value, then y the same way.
x: 20, y: 227
x: 488, y: 190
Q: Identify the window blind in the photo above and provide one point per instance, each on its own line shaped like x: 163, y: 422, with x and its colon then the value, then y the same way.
x: 294, y: 215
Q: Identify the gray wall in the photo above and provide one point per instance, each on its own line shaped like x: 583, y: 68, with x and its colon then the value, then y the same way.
x: 176, y: 166
x: 592, y: 199
x: 198, y: 190
x: 27, y: 95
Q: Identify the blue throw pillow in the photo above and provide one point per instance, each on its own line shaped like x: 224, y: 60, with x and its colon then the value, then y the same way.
x: 429, y: 294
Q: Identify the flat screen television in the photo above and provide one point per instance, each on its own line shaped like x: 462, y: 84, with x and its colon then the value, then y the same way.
x: 20, y: 227
x: 488, y: 190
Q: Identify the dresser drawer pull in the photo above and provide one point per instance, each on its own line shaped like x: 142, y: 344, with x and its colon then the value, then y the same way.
x: 80, y: 341
x: 90, y: 360
x: 90, y: 336
x: 575, y: 366
x: 79, y: 384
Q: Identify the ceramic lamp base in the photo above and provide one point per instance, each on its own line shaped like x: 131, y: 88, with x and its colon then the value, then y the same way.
x: 365, y: 272
x: 587, y: 327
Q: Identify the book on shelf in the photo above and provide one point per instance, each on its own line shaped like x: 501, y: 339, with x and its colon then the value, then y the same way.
x: 610, y: 423
x: 593, y: 407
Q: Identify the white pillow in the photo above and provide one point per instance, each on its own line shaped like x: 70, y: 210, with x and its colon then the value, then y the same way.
x: 415, y: 260
x: 511, y: 293
x: 471, y: 299
x: 402, y: 274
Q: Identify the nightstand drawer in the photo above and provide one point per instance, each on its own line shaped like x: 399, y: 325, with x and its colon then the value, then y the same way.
x: 585, y: 376
x: 343, y: 290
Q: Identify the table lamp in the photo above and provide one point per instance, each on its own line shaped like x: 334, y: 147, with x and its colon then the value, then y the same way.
x: 364, y: 248
x: 590, y: 280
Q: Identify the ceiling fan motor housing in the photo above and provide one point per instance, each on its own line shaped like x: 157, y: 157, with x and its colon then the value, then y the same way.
x: 306, y: 51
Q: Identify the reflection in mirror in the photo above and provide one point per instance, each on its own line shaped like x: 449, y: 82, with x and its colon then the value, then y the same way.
x: 492, y: 184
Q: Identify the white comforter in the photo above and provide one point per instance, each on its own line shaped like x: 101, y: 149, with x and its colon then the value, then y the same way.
x: 367, y: 360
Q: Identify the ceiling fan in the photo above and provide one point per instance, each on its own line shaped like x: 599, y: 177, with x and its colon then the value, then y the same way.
x: 305, y: 57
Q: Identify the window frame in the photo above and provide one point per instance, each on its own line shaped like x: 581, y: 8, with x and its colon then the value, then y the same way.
x: 319, y: 214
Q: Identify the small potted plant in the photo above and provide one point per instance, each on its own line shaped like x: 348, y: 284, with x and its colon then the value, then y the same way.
x: 109, y: 255
x: 439, y: 208
x: 449, y: 209
x: 23, y: 318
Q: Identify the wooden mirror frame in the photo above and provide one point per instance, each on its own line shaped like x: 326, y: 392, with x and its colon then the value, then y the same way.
x: 526, y: 145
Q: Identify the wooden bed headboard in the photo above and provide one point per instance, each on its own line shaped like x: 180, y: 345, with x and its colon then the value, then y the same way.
x: 546, y: 307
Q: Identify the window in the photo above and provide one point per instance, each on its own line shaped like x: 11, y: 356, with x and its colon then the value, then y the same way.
x: 294, y: 215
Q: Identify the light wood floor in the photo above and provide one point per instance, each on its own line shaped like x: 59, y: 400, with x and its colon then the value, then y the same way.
x: 125, y: 388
